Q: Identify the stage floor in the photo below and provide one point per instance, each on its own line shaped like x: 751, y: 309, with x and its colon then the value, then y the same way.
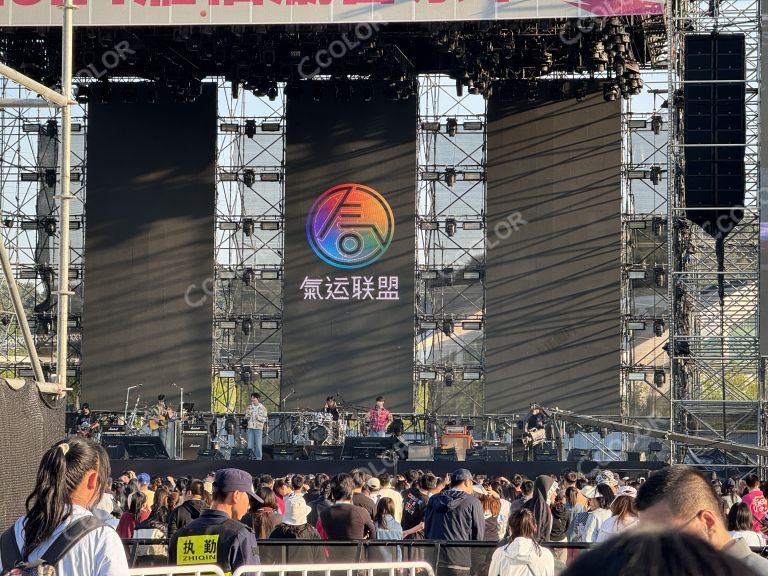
x: 279, y: 468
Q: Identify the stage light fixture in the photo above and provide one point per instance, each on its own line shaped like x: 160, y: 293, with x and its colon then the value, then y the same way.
x: 474, y: 225
x: 49, y: 225
x: 249, y: 177
x: 248, y: 226
x: 227, y: 274
x: 247, y: 326
x: 430, y: 126
x: 229, y: 127
x: 638, y: 174
x: 471, y: 325
x: 430, y: 176
x: 450, y: 177
x: 657, y: 225
x: 272, y: 91
x: 637, y: 224
x: 471, y: 376
x: 473, y: 125
x: 448, y: 326
x: 636, y: 274
x: 246, y: 375
x: 429, y: 274
x: 427, y: 375
x: 448, y: 378
x: 227, y: 373
x: 30, y: 127
x: 270, y: 274
x: 637, y: 124
x: 635, y: 325
x: 636, y: 376
x: 30, y: 176
x: 660, y: 276
x: 657, y: 123
x: 75, y: 176
x: 610, y: 92
x: 250, y: 128
x: 473, y: 176
x: 655, y: 175
x: 270, y: 176
x: 227, y: 225
x: 28, y: 274
x: 472, y: 274
x: 248, y: 276
x: 227, y: 324
x: 270, y: 126
x: 659, y: 377
x: 429, y: 225
x: 448, y: 276
x: 270, y: 226
x: 658, y: 327
x: 269, y: 325
x: 428, y: 325
x: 452, y: 127
x: 450, y: 227
x: 76, y: 127
x: 228, y: 177
x: 268, y: 374
x: 50, y: 177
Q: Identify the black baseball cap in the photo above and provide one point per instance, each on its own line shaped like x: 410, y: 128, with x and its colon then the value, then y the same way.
x: 460, y: 475
x: 230, y: 479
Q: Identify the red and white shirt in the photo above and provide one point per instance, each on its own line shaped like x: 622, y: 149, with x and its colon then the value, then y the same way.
x: 379, y: 419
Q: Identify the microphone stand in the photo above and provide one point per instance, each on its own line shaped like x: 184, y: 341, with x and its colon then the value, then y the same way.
x: 127, y: 395
x: 180, y: 423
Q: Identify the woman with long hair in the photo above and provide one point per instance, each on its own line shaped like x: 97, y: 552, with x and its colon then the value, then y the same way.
x: 740, y: 525
x: 136, y: 514
x: 522, y: 555
x: 623, y: 514
x: 263, y: 518
x: 387, y: 528
x: 70, y: 481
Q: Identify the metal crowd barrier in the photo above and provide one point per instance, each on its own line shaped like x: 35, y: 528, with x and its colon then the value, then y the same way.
x: 350, y: 569
x: 201, y: 570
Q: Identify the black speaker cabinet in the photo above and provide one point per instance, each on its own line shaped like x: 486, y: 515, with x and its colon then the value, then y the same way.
x: 445, y: 454
x: 191, y: 445
x: 373, y: 448
x: 240, y: 454
x: 145, y: 448
x: 114, y: 447
x: 210, y: 454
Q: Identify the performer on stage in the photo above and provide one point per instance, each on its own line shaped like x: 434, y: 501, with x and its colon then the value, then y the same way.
x: 331, y: 408
x: 535, y: 418
x: 86, y: 423
x: 159, y: 416
x: 378, y: 419
x: 534, y: 432
x: 256, y: 414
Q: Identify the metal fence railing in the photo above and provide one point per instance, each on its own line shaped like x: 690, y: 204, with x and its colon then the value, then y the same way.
x: 201, y: 570
x: 349, y: 569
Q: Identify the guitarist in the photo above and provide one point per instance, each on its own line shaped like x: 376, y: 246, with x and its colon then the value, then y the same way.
x: 159, y: 415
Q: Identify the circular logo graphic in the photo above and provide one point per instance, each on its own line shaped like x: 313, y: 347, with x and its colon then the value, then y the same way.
x: 350, y: 226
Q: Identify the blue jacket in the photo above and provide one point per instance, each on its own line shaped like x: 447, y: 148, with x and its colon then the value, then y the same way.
x: 454, y: 515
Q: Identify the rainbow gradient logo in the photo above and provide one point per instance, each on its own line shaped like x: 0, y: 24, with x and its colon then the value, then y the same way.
x: 350, y: 226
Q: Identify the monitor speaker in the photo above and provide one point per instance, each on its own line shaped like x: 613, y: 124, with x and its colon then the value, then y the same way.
x: 210, y: 454
x: 373, y: 448
x: 418, y: 452
x: 145, y: 448
x: 445, y: 454
x: 241, y: 454
x: 579, y: 454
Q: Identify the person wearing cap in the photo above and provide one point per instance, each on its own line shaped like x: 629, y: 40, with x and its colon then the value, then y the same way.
x: 730, y: 495
x: 295, y: 526
x: 386, y: 491
x: 217, y: 536
x: 374, y: 485
x: 623, y: 514
x: 600, y: 497
x: 455, y: 514
x: 144, y: 480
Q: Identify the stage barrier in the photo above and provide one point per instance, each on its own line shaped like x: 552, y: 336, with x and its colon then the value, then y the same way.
x: 367, y: 568
x: 201, y: 570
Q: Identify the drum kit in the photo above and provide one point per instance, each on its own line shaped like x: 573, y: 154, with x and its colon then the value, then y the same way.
x: 320, y: 429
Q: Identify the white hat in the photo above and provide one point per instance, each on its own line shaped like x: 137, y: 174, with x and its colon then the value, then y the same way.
x: 374, y: 484
x: 606, y: 477
x: 627, y: 491
x: 296, y: 511
x: 589, y: 491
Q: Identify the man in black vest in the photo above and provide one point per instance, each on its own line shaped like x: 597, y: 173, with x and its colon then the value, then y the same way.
x: 217, y: 536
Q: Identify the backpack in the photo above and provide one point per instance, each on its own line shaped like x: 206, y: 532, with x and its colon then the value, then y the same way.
x: 16, y: 565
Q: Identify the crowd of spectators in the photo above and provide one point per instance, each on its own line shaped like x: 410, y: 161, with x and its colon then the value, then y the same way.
x: 628, y: 519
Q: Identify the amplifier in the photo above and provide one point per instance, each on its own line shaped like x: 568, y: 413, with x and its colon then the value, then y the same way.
x: 445, y: 454
x: 420, y: 452
x: 192, y: 429
x: 192, y: 445
x: 113, y: 430
x: 455, y: 430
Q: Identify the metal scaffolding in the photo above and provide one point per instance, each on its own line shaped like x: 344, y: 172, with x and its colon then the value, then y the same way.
x: 717, y: 390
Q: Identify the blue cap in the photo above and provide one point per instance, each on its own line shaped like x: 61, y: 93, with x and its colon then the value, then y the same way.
x: 231, y: 479
x: 460, y: 475
x: 143, y: 478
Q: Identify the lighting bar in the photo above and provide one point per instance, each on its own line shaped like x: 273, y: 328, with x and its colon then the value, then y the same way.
x: 473, y: 125
x: 471, y: 376
x: 30, y: 127
x: 268, y: 374
x: 638, y: 174
x: 636, y: 274
x: 30, y: 176
x: 227, y: 374
x: 429, y: 225
x: 635, y: 325
x: 270, y: 176
x: 270, y: 225
x: 76, y: 127
x: 227, y: 324
x: 28, y: 274
x: 227, y: 274
x: 428, y: 325
x: 474, y: 225
x: 228, y: 177
x: 430, y: 176
x: 269, y: 325
x: 270, y: 274
x: 227, y: 225
x: 229, y: 127
x: 427, y: 375
x: 638, y: 124
x: 75, y: 176
x: 471, y: 325
x: 429, y: 274
x: 636, y: 376
x: 29, y: 225
x: 270, y: 126
x: 637, y: 224
x: 473, y: 176
x: 430, y: 126
x: 471, y: 275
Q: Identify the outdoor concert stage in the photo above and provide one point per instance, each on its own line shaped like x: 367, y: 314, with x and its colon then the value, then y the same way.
x: 277, y: 468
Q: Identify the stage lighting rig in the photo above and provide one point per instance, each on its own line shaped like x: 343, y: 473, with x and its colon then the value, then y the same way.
x: 450, y: 227
x: 247, y: 326
x: 248, y: 227
x: 452, y: 127
x: 250, y: 129
x: 450, y: 177
x: 249, y: 177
